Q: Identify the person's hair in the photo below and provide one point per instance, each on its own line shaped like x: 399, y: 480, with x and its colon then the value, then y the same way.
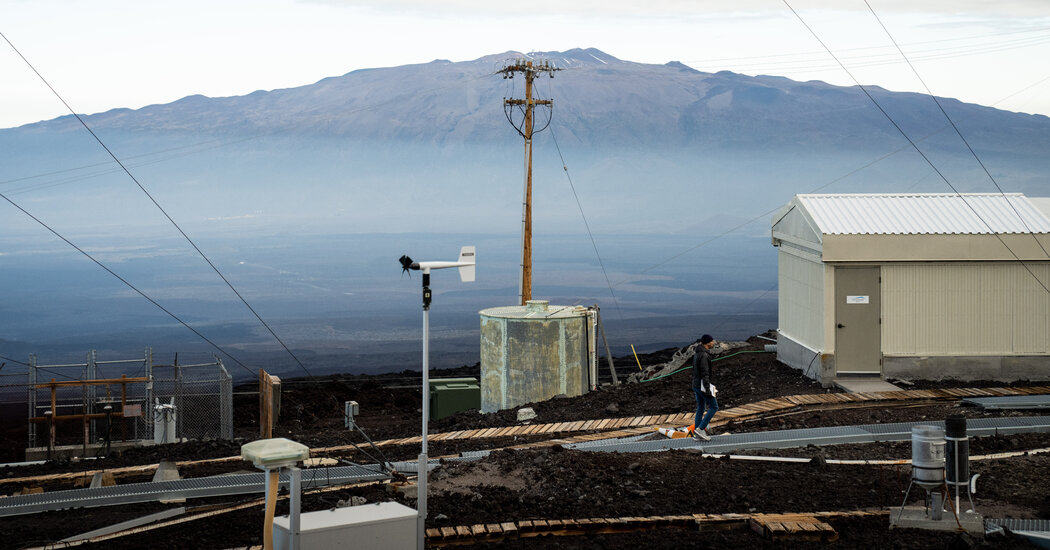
x: 706, y: 339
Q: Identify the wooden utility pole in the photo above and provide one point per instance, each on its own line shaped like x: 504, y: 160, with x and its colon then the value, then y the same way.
x: 526, y: 129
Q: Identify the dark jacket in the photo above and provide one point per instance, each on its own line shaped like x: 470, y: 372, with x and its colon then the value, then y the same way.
x: 702, y: 369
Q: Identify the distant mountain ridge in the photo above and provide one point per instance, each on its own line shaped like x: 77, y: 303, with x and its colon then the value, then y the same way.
x: 376, y: 150
x: 599, y: 101
x: 305, y: 196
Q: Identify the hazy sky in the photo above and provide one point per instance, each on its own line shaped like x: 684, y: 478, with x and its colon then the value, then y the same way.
x: 104, y: 54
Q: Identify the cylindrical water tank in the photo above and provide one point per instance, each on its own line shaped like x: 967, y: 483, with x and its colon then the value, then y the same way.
x: 957, y: 451
x: 533, y: 352
x: 927, y: 456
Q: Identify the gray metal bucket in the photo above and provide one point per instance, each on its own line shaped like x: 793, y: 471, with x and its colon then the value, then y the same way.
x: 927, y: 456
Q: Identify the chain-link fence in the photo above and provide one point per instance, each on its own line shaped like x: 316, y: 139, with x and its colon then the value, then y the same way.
x: 124, y: 400
x: 202, y: 396
x: 12, y: 411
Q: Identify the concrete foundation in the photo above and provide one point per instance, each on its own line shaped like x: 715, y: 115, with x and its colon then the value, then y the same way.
x: 915, y: 517
x: 864, y: 384
x: 821, y: 366
x: 78, y: 451
x: 1001, y: 368
x: 813, y: 364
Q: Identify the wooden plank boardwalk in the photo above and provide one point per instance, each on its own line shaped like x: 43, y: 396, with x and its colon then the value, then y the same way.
x: 768, y: 406
x: 626, y: 426
x: 776, y: 527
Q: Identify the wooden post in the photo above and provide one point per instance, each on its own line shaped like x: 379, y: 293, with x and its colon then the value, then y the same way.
x: 608, y: 353
x: 54, y: 412
x: 529, y: 71
x: 123, y: 405
x: 265, y: 401
x: 526, y: 246
x: 87, y: 430
x: 84, y: 416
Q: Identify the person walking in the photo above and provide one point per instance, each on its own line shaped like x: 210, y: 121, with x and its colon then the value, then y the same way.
x: 703, y: 389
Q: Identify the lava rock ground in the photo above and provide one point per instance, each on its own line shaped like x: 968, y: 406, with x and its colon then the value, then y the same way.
x: 554, y: 483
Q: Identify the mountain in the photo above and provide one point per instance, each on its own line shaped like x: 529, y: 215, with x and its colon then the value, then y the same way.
x: 600, y: 101
x: 305, y: 196
x: 376, y: 149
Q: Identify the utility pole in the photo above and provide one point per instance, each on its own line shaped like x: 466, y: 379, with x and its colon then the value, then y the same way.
x: 526, y: 128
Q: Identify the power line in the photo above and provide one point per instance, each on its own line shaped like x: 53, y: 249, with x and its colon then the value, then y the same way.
x: 725, y: 319
x: 72, y: 177
x: 585, y: 224
x: 97, y: 164
x: 822, y: 187
x: 187, y: 150
x: 916, y: 147
x: 957, y: 131
x: 125, y: 281
x: 922, y: 42
x: 159, y: 207
x: 583, y: 215
x: 16, y: 361
x: 804, y: 60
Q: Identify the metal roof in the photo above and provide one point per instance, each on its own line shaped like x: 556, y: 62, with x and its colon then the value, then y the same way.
x: 925, y: 214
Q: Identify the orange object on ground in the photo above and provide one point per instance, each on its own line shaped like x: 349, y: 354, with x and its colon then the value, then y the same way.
x: 675, y: 433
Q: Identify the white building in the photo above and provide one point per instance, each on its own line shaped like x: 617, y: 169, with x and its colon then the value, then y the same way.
x: 915, y: 286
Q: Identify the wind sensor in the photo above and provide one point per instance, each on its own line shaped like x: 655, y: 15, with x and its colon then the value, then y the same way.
x: 465, y: 264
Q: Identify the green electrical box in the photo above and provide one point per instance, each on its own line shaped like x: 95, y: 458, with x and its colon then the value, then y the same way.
x: 449, y: 396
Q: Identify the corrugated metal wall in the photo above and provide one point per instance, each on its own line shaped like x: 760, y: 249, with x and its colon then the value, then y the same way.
x: 965, y: 309
x: 801, y: 298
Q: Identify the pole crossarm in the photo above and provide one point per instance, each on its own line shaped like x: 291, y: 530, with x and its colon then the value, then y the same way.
x: 528, y: 67
x: 528, y: 101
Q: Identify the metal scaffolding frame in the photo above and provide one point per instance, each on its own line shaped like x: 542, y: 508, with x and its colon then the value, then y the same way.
x: 201, y: 393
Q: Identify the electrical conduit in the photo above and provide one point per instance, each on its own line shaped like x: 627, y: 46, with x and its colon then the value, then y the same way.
x: 271, y: 506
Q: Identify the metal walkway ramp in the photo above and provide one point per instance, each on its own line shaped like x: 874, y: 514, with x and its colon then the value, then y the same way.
x: 1011, y: 402
x: 783, y: 439
x: 235, y: 484
x: 232, y: 484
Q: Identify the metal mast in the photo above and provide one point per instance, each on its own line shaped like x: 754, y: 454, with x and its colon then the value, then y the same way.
x: 526, y: 128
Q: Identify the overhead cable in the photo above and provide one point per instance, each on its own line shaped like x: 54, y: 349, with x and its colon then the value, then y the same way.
x: 177, y: 152
x: 125, y: 281
x: 821, y: 187
x: 916, y: 147
x: 583, y: 215
x: 159, y: 207
x: 957, y: 131
x: 804, y: 61
x: 586, y: 225
x: 16, y: 361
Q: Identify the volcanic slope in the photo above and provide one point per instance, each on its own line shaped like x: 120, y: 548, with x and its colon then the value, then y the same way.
x: 547, y: 482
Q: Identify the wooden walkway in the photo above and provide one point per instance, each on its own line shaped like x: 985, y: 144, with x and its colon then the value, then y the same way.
x: 623, y: 427
x: 743, y: 412
x: 777, y: 527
